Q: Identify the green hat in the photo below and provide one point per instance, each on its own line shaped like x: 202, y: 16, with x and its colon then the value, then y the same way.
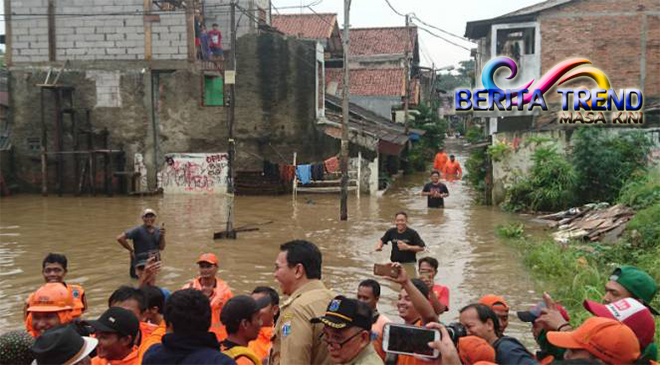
x: 640, y: 284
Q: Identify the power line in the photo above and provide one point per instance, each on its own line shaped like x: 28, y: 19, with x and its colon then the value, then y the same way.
x: 444, y: 39
x: 442, y: 30
x: 394, y: 10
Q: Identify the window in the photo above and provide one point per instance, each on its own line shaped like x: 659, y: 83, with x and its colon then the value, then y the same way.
x: 213, y: 90
x: 34, y: 144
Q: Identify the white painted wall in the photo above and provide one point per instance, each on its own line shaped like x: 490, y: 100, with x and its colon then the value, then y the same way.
x: 194, y: 173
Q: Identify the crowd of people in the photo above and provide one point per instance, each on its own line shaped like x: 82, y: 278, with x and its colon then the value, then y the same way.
x: 205, y: 323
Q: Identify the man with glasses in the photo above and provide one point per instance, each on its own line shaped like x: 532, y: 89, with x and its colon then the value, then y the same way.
x: 146, y: 238
x: 347, y: 332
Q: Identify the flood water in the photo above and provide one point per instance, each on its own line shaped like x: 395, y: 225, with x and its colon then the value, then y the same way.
x: 462, y: 237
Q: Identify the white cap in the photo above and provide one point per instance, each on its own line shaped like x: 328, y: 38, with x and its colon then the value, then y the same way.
x: 149, y: 211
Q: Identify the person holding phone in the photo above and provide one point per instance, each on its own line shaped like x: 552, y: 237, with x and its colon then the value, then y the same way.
x: 147, y: 238
x: 405, y: 241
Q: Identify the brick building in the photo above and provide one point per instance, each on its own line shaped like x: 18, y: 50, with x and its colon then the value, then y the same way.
x: 620, y: 37
x: 131, y: 81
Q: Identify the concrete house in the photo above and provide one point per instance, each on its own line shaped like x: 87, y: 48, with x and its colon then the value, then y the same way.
x: 101, y: 86
x: 621, y: 38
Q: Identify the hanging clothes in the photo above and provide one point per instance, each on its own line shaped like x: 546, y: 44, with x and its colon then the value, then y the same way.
x: 304, y: 173
x: 317, y: 172
x: 331, y: 164
x: 287, y: 172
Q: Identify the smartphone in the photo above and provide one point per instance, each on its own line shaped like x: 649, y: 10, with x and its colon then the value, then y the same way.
x: 155, y: 255
x: 386, y: 270
x: 410, y: 340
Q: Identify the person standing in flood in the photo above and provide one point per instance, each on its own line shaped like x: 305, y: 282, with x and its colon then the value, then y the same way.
x: 406, y: 242
x: 453, y: 169
x: 440, y: 160
x: 146, y: 238
x: 435, y: 192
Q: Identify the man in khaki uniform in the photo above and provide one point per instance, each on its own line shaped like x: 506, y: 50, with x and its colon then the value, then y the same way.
x: 347, y: 332
x: 296, y: 340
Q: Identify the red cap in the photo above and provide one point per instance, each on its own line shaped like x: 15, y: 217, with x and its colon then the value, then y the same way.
x: 609, y: 340
x: 208, y: 257
x: 493, y: 301
x: 473, y: 349
x: 630, y: 312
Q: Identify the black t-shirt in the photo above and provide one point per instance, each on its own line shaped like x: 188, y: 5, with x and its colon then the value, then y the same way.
x: 409, y: 236
x: 440, y: 188
x: 143, y: 241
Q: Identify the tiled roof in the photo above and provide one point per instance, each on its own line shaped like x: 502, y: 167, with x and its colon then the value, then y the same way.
x: 382, y: 41
x: 309, y: 26
x: 370, y: 81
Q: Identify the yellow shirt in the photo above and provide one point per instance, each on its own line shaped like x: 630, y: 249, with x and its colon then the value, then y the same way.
x: 296, y: 340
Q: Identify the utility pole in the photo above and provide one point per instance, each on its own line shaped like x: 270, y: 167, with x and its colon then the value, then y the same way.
x: 343, y: 206
x: 231, y: 144
x: 407, y: 77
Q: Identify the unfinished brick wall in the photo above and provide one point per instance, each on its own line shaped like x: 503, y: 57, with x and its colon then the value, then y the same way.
x: 620, y: 37
x: 85, y: 33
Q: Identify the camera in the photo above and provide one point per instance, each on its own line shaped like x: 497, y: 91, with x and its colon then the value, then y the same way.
x: 456, y: 330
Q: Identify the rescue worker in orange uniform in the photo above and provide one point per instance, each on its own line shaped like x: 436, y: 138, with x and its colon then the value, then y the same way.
x: 453, y: 169
x: 214, y: 288
x: 50, y: 306
x: 440, y: 160
x: 262, y: 344
x: 54, y: 269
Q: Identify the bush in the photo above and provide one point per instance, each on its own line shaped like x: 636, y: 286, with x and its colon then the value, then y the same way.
x: 641, y: 191
x: 477, y: 169
x: 425, y: 148
x: 513, y: 230
x: 474, y: 135
x: 604, y: 162
x: 646, y: 224
x: 550, y: 185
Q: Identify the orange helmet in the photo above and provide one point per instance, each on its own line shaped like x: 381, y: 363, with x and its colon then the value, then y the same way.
x: 52, y: 297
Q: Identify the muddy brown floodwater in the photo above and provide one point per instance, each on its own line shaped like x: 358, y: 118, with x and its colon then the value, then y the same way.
x: 462, y: 237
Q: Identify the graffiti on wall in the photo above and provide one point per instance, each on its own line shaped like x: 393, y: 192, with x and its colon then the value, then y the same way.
x: 195, y: 173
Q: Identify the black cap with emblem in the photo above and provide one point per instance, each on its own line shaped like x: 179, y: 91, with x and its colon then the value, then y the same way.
x: 344, y: 312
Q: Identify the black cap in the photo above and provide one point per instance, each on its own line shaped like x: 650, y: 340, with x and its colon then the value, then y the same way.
x: 242, y: 307
x: 119, y: 320
x: 62, y: 345
x: 344, y: 312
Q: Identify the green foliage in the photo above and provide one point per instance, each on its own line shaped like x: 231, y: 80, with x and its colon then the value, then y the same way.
x: 645, y: 227
x: 537, y: 141
x: 424, y: 150
x: 513, y: 230
x: 603, y: 163
x: 641, y: 191
x: 477, y: 169
x: 499, y: 151
x: 550, y: 185
x: 462, y: 78
x: 474, y: 135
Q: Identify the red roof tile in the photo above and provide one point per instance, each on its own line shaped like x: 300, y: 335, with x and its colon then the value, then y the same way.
x: 381, y: 41
x: 370, y: 81
x: 310, y: 26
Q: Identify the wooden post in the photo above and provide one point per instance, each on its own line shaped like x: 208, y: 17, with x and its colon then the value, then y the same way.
x: 406, y: 78
x: 295, y: 177
x: 343, y: 195
x: 190, y: 33
x: 52, y: 46
x: 58, y: 140
x: 359, y: 173
x: 8, y: 33
x: 44, y: 148
x: 147, y: 31
x: 92, y: 172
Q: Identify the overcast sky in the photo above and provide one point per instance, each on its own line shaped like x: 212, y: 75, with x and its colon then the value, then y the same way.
x: 445, y: 14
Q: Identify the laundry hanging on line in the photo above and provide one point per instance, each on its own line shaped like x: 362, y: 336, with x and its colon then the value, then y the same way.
x: 304, y: 173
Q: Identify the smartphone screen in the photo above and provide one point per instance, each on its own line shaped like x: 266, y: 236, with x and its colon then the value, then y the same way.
x: 385, y: 270
x: 409, y: 340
